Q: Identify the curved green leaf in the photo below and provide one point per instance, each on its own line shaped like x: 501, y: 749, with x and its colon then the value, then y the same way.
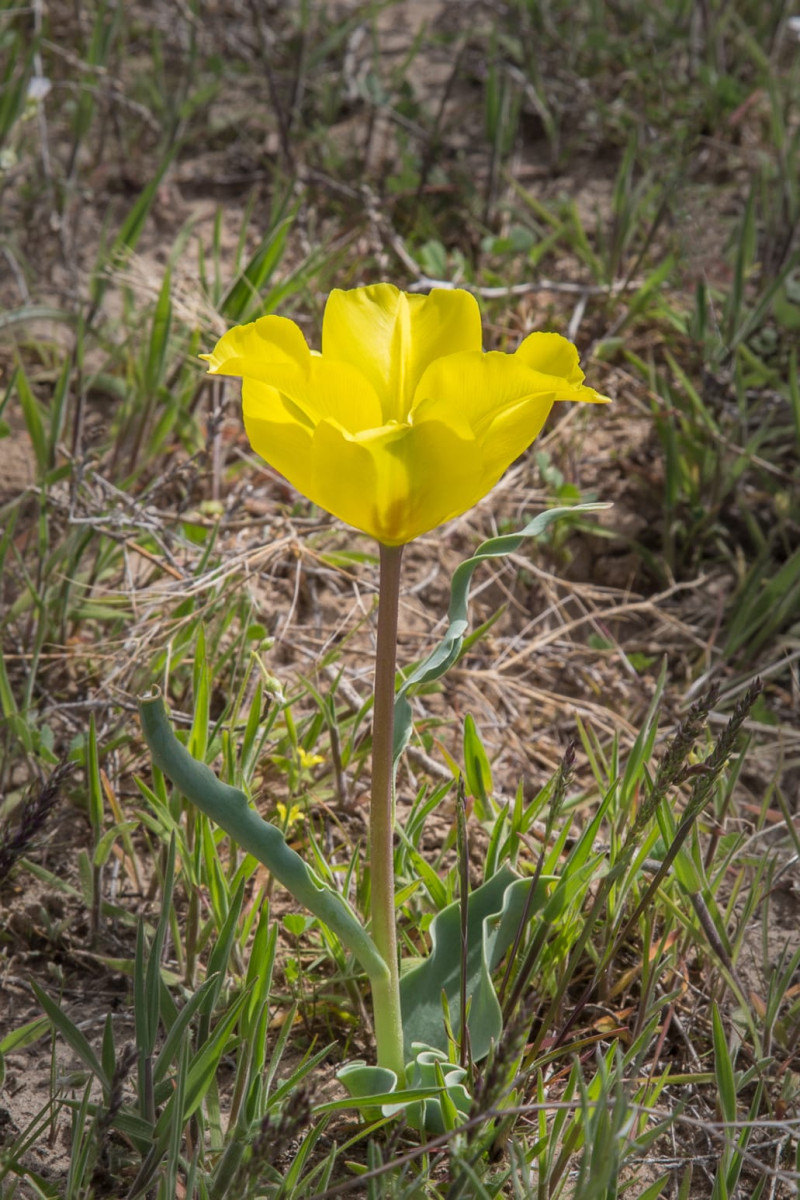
x: 229, y: 808
x: 495, y: 910
x: 434, y: 1091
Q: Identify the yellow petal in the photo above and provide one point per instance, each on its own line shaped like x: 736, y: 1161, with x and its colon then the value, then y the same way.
x: 444, y: 473
x: 345, y: 477
x: 252, y: 349
x: 468, y: 391
x: 398, y: 483
x: 511, y: 432
x: 273, y: 351
x: 338, y: 391
x: 278, y: 433
x: 391, y: 337
x: 553, y: 355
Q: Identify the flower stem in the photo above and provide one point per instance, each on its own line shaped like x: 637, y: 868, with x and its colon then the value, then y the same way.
x: 386, y: 998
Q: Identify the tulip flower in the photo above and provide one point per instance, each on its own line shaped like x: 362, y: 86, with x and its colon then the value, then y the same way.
x: 402, y: 422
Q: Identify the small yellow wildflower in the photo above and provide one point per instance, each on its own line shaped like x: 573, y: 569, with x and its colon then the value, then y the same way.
x: 306, y: 760
x: 289, y: 816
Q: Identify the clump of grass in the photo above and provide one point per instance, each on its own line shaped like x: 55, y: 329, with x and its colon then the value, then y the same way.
x: 19, y: 835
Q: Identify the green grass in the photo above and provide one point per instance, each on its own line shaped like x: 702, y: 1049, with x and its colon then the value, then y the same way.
x: 627, y: 176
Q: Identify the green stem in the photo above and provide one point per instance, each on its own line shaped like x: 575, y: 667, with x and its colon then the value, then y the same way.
x: 386, y: 995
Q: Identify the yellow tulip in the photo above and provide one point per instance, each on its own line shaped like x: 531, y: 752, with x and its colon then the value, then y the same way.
x: 402, y: 421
